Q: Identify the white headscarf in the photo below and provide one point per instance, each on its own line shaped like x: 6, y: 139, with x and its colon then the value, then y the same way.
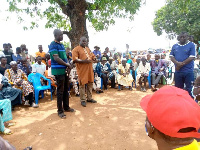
x: 13, y: 63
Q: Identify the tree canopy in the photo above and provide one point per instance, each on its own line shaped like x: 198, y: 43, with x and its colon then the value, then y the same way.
x: 178, y: 16
x: 71, y: 15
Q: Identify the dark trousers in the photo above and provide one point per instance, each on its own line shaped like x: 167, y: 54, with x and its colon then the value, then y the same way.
x: 105, y: 79
x: 30, y: 98
x: 156, y: 78
x: 113, y: 81
x: 145, y: 81
x: 62, y: 92
x: 186, y: 78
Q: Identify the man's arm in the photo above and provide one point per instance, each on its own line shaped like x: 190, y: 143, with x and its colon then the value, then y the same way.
x: 60, y: 61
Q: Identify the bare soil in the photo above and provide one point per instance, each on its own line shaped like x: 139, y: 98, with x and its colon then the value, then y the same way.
x: 116, y: 122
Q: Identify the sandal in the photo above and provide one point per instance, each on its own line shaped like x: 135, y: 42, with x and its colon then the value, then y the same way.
x: 7, y: 131
x: 62, y: 115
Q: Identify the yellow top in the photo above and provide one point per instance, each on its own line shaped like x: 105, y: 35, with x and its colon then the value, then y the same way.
x: 193, y: 146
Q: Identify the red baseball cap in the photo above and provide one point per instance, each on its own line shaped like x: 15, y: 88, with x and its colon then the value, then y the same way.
x: 171, y: 109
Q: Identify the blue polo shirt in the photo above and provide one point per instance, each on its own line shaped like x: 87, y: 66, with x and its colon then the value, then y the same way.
x: 183, y: 52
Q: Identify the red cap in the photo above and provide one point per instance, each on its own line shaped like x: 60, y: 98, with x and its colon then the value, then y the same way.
x: 171, y: 109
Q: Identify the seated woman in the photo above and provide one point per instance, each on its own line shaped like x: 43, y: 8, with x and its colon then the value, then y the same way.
x: 124, y: 77
x: 18, y: 78
x: 7, y: 92
x: 104, y: 71
x: 143, y: 73
x: 5, y: 115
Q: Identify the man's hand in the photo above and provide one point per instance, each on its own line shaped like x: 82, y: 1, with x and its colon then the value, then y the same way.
x: 179, y: 65
x: 87, y: 61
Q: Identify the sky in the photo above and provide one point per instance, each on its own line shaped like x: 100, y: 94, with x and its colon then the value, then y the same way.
x: 140, y: 37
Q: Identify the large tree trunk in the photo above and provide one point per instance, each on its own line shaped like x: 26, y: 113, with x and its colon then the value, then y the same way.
x: 76, y: 12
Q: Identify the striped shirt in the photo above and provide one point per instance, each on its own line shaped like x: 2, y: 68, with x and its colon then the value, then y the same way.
x: 57, y: 48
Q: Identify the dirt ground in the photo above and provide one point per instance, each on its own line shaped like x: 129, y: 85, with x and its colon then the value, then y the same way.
x: 116, y: 122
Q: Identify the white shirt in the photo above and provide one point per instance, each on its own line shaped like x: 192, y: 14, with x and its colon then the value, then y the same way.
x: 143, y: 69
x: 39, y: 68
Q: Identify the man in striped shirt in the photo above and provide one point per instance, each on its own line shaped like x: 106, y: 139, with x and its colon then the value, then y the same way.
x: 60, y: 68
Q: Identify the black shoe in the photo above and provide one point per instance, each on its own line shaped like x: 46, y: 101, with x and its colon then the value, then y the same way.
x: 77, y: 95
x: 83, y: 103
x: 100, y: 91
x: 91, y: 101
x: 70, y: 110
x: 97, y: 92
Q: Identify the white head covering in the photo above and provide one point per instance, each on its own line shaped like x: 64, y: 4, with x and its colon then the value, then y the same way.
x: 13, y: 62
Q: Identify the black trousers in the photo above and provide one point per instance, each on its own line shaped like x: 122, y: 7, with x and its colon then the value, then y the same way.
x: 113, y: 81
x: 105, y: 79
x: 62, y: 93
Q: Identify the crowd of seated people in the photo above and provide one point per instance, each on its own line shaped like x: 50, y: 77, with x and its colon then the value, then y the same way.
x: 111, y: 68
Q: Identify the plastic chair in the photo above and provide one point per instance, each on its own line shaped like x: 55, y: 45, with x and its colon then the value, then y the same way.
x: 34, y: 78
x: 148, y: 78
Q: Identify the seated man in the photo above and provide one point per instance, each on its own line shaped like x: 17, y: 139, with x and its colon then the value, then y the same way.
x: 39, y: 67
x: 172, y: 119
x: 157, y: 70
x: 113, y: 66
x: 135, y: 66
x: 97, y: 78
x: 103, y: 70
x: 124, y: 78
x: 74, y: 79
x: 19, y: 79
x: 143, y: 73
x: 25, y: 66
x: 17, y: 57
x: 7, y: 92
x: 3, y: 65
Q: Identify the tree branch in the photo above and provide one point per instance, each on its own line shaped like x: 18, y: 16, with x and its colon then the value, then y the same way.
x: 66, y: 32
x: 65, y: 8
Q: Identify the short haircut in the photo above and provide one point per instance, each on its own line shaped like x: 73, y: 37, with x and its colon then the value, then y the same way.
x: 184, y: 32
x: 2, y: 57
x: 5, y: 44
x: 56, y: 31
x: 38, y: 57
x: 18, y: 48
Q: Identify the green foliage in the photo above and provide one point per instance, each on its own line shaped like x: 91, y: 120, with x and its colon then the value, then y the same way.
x: 66, y: 44
x: 100, y: 13
x: 177, y: 16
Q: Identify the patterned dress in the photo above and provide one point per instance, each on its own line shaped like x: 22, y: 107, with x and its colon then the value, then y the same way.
x: 128, y: 79
x: 13, y: 77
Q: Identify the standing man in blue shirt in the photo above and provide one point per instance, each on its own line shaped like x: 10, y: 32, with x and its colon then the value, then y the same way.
x: 183, y: 55
x: 96, y: 52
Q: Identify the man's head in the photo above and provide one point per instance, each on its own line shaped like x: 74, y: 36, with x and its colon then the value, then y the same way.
x: 104, y: 53
x: 40, y: 48
x: 13, y: 65
x: 138, y: 60
x: 104, y: 60
x: 18, y: 50
x: 148, y: 56
x: 124, y: 61
x: 127, y: 57
x: 191, y: 38
x: 143, y: 61
x: 83, y: 41
x: 163, y: 56
x: 3, y: 60
x: 107, y: 49
x: 39, y: 60
x: 68, y: 50
x: 157, y: 56
x: 183, y: 38
x: 58, y: 34
x: 5, y: 47
x: 23, y: 47
x: 97, y: 48
x: 196, y: 89
x: 24, y: 61
x: 47, y: 56
x: 9, y: 46
x: 110, y: 60
x: 172, y: 116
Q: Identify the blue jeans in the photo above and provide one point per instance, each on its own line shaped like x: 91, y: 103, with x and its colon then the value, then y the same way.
x: 186, y: 78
